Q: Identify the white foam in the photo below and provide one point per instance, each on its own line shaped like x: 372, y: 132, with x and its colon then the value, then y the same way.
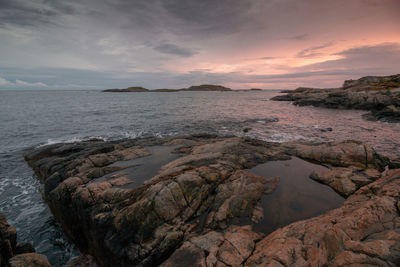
x: 71, y: 140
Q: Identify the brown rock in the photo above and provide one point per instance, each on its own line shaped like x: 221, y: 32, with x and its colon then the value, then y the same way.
x: 29, y: 260
x: 379, y: 95
x: 190, y: 212
x: 82, y: 261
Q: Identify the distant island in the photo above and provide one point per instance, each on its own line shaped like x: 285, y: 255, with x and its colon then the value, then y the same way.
x: 198, y: 88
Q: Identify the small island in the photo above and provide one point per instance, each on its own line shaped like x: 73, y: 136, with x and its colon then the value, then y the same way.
x: 200, y: 88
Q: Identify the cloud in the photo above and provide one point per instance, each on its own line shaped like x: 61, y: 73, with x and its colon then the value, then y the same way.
x: 375, y: 59
x: 158, y: 43
x: 20, y: 84
x: 313, y: 51
x: 32, y: 13
x: 174, y: 50
x: 24, y: 84
x: 4, y: 82
x: 300, y: 37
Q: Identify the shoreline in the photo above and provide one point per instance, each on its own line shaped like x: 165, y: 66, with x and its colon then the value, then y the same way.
x: 380, y: 95
x: 215, y: 166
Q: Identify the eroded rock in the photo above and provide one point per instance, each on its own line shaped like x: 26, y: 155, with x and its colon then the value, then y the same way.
x: 199, y: 209
x: 17, y: 255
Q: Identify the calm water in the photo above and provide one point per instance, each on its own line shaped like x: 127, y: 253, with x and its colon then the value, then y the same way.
x: 32, y: 118
x: 297, y: 197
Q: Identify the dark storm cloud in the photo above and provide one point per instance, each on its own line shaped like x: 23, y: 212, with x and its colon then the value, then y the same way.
x: 174, y: 50
x: 32, y: 13
x: 209, y: 16
x: 183, y: 17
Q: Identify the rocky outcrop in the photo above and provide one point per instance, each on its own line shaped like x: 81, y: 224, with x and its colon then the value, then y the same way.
x: 199, y: 210
x: 379, y: 95
x: 17, y: 255
x: 365, y: 231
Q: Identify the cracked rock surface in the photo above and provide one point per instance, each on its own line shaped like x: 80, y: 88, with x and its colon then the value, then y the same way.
x: 200, y: 208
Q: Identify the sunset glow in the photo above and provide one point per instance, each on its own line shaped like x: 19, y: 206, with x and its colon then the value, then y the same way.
x: 268, y: 44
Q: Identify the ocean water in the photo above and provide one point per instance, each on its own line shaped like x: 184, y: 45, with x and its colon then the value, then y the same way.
x: 34, y: 118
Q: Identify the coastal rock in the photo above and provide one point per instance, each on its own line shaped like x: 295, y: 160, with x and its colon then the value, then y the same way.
x: 29, y: 260
x: 82, y: 261
x: 344, y: 154
x: 199, y: 209
x: 364, y: 231
x: 379, y: 95
x: 17, y: 255
x: 231, y: 248
x: 8, y: 241
x: 346, y: 181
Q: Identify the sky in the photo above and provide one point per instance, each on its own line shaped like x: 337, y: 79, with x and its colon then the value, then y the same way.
x: 271, y: 44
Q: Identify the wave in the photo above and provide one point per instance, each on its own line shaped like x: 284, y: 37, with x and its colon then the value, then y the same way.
x: 72, y: 140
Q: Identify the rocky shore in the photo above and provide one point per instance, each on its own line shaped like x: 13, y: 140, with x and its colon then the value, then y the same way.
x: 378, y: 94
x: 13, y: 254
x: 200, y: 208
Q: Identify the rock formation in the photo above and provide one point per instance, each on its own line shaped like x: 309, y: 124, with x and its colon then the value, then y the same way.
x: 200, y: 208
x: 379, y: 95
x: 17, y: 255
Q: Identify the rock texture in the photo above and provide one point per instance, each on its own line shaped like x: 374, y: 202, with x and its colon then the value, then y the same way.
x: 379, y: 95
x: 199, y: 209
x: 365, y: 231
x: 17, y: 255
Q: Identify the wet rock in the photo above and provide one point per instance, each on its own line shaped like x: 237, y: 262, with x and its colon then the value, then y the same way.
x: 16, y: 255
x: 345, y: 154
x: 379, y: 95
x: 24, y: 248
x: 82, y: 261
x: 199, y: 209
x: 365, y: 230
x: 216, y: 249
x: 29, y: 260
x: 8, y: 241
x: 346, y: 181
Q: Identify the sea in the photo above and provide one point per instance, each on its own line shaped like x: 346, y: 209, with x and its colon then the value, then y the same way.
x: 34, y: 118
